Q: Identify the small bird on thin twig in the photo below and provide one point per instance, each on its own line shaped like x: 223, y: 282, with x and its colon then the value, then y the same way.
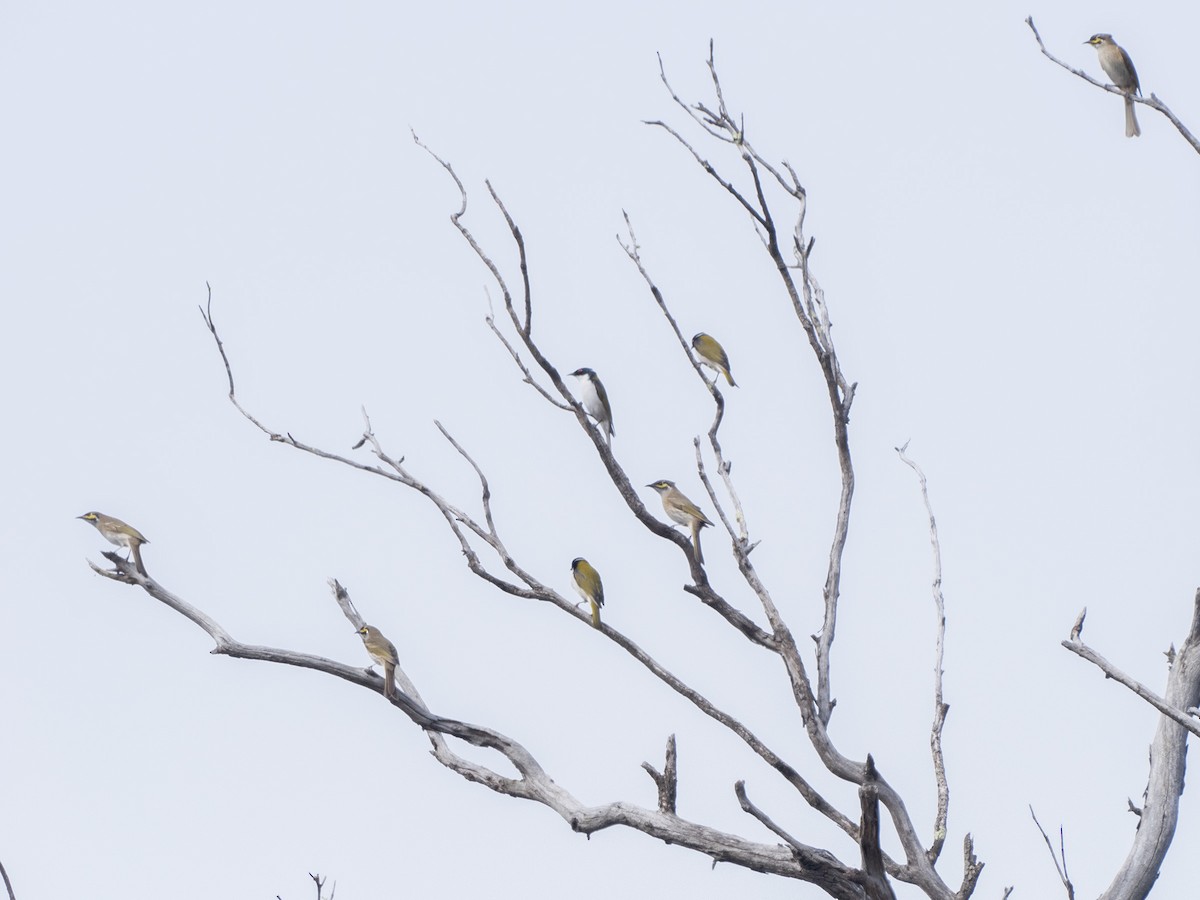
x: 1119, y: 67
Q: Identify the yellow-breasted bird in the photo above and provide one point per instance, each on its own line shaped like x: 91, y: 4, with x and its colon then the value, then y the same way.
x: 117, y: 532
x: 712, y: 354
x: 383, y: 652
x: 682, y: 510
x: 595, y: 400
x: 589, y: 586
x: 1119, y: 67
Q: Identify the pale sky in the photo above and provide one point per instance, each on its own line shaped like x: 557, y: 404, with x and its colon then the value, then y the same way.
x: 1010, y: 281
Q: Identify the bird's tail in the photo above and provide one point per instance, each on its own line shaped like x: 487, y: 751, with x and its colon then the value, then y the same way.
x: 389, y: 680
x: 696, y: 541
x: 595, y: 613
x: 729, y: 378
x: 1131, y: 125
x: 136, y: 552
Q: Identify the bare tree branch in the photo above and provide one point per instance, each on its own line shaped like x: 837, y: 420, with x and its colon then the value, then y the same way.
x: 805, y: 301
x: 1168, y: 757
x: 534, y: 788
x: 1178, y: 714
x: 457, y: 519
x: 972, y: 869
x: 874, y: 877
x: 668, y: 781
x: 1151, y: 101
x: 7, y: 884
x: 516, y: 357
x: 757, y: 191
x: 1062, y: 853
x: 940, y: 708
x: 815, y: 855
x: 533, y: 783
x: 808, y: 304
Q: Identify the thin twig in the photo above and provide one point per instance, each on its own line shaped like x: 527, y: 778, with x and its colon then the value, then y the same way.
x: 940, y: 708
x: 516, y: 357
x: 1062, y: 848
x: 1178, y: 715
x: 7, y: 884
x: 808, y: 305
x: 1151, y: 101
x: 748, y: 806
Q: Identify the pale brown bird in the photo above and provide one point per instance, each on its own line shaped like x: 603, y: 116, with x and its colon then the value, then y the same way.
x: 383, y: 652
x: 1119, y: 67
x: 117, y: 532
x: 682, y: 510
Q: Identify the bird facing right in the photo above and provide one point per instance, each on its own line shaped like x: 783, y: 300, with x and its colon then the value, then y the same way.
x: 382, y: 652
x: 682, y: 510
x: 1119, y: 67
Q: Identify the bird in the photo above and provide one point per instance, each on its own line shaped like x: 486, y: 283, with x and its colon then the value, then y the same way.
x: 712, y: 354
x: 1119, y: 67
x: 589, y: 586
x: 595, y: 400
x: 682, y: 510
x: 383, y: 652
x: 117, y: 532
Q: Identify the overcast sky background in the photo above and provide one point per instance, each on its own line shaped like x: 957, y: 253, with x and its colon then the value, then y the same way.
x: 1012, y: 286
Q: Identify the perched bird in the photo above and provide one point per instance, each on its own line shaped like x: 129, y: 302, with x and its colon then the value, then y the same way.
x: 589, y: 586
x: 382, y: 652
x: 712, y: 354
x: 1119, y: 67
x: 117, y: 532
x: 595, y: 400
x: 682, y: 510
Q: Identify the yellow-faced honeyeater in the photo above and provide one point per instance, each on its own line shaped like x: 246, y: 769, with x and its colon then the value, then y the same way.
x: 682, y: 510
x: 383, y: 652
x: 117, y: 532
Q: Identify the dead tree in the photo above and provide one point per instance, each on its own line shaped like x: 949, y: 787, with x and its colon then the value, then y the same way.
x: 772, y: 198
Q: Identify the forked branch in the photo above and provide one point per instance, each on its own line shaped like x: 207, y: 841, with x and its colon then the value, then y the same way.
x: 760, y: 189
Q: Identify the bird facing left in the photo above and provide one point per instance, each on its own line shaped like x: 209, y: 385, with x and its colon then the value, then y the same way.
x: 117, y: 532
x: 589, y: 586
x: 595, y: 401
x: 1119, y: 67
x: 382, y: 652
